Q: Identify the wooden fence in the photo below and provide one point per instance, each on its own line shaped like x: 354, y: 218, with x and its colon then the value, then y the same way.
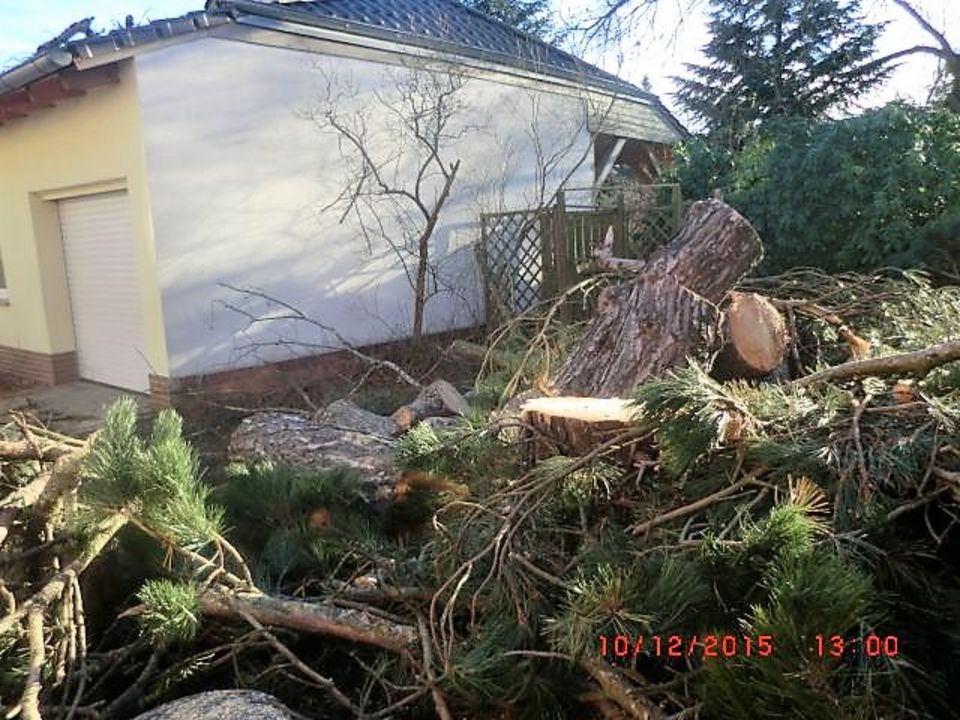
x: 531, y: 255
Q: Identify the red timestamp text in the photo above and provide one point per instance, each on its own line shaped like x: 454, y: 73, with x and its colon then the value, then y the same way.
x: 677, y: 646
x: 871, y: 646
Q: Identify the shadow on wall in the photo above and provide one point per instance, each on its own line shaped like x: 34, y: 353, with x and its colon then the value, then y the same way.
x: 237, y: 174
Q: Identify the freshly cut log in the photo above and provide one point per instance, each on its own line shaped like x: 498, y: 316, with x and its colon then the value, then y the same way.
x: 438, y: 399
x: 576, y: 425
x: 669, y: 312
x: 651, y: 328
x: 755, y: 338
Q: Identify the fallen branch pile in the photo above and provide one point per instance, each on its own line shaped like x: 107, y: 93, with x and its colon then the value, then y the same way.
x: 763, y: 531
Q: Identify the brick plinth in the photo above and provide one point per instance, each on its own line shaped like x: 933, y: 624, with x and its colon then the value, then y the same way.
x: 39, y: 367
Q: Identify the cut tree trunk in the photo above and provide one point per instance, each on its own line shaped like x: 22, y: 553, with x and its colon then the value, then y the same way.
x: 438, y: 399
x: 576, y: 425
x: 669, y: 312
x: 651, y: 328
x: 755, y: 338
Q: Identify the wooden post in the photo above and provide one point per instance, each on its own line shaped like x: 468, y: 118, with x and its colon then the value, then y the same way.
x: 620, y: 231
x: 676, y: 203
x: 548, y: 268
x: 565, y: 261
x: 483, y: 260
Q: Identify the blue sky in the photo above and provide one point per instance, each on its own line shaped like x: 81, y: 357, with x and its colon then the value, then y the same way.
x: 659, y: 53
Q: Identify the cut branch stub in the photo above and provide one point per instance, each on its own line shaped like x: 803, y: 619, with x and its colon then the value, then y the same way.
x: 669, y: 312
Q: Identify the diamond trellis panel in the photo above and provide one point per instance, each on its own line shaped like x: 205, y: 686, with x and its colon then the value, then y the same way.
x: 514, y: 253
x: 531, y: 255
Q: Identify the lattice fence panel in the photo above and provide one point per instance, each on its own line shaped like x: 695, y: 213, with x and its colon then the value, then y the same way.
x: 513, y: 247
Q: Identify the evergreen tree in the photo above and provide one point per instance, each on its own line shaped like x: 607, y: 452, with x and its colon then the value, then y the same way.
x: 800, y: 58
x: 529, y: 16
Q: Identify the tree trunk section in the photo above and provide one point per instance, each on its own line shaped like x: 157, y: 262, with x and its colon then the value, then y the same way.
x: 653, y: 328
x: 755, y: 338
x: 669, y: 312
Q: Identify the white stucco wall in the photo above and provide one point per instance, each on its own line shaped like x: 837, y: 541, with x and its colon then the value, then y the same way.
x: 238, y: 176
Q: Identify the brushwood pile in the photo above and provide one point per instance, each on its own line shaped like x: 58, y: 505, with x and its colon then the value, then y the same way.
x: 779, y: 546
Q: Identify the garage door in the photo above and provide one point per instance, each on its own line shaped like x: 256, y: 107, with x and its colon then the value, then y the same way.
x: 104, y: 291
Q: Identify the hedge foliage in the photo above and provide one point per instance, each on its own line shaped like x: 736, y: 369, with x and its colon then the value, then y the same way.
x: 880, y: 189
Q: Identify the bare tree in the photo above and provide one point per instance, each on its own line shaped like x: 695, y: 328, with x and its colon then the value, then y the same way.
x: 941, y: 48
x: 401, y: 172
x: 614, y: 23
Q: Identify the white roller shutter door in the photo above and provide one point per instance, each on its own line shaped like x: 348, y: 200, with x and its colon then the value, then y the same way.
x: 101, y: 267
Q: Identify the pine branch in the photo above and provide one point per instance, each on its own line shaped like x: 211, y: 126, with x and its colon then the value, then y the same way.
x: 317, y: 618
x: 920, y: 362
x: 54, y: 587
x: 696, y: 506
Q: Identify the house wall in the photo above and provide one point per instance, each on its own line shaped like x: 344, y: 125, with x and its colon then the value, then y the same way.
x: 83, y: 145
x: 239, y: 176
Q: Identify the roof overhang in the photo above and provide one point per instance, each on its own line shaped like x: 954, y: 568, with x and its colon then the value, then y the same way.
x: 49, y: 89
x: 33, y: 84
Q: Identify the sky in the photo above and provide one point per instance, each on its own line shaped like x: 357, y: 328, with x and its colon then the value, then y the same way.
x: 657, y: 53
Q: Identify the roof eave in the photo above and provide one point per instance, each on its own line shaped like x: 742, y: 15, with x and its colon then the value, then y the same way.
x: 35, y: 68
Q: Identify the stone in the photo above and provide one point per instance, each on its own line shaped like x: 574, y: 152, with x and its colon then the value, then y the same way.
x: 349, y: 416
x: 221, y: 705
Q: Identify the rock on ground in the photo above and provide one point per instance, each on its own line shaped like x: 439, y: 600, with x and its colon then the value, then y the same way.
x: 348, y: 416
x: 221, y: 705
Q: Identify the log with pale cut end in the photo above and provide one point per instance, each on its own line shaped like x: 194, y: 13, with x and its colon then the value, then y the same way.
x: 756, y: 338
x: 653, y: 327
x: 669, y: 312
x: 576, y: 425
x: 438, y: 399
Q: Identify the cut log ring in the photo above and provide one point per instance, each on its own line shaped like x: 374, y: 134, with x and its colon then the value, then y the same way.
x: 756, y: 338
x: 576, y: 425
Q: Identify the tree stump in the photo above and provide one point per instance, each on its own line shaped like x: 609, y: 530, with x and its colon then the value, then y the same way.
x: 669, y: 312
x: 576, y: 425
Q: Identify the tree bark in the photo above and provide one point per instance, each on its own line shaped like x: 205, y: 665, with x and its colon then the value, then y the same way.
x: 654, y: 328
x: 320, y: 618
x: 669, y: 312
x: 301, y: 442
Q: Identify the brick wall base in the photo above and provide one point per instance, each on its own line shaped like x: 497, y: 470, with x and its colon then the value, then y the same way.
x: 39, y: 367
x: 284, y: 375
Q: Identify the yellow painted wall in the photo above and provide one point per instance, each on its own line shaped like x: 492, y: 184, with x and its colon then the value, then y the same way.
x: 83, y: 145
